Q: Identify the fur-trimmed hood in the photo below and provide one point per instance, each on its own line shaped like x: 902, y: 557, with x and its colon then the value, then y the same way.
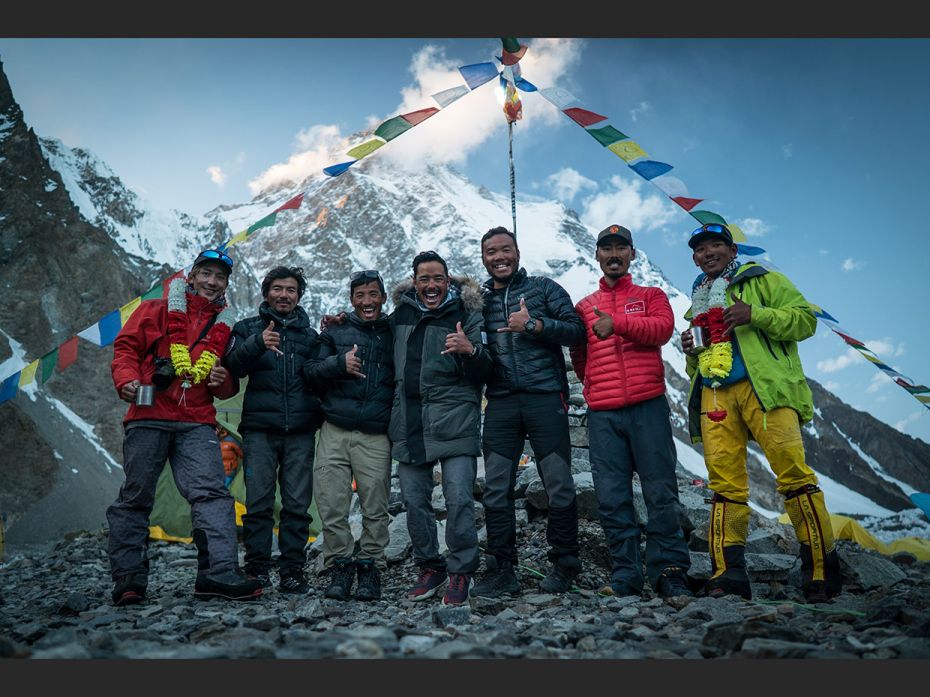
x: 469, y: 291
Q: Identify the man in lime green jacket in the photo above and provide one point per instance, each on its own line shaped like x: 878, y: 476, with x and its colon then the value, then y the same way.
x: 747, y: 382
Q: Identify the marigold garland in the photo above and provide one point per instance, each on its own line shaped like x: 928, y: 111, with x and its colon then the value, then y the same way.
x: 216, y: 338
x: 716, y: 361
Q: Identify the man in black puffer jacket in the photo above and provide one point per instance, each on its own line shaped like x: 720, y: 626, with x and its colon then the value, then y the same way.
x: 280, y: 415
x: 354, y: 366
x: 527, y: 319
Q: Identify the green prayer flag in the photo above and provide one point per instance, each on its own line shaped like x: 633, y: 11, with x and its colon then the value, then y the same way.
x: 49, y: 361
x: 392, y: 128
x: 264, y: 222
x: 606, y: 135
x: 705, y: 217
x: 154, y: 293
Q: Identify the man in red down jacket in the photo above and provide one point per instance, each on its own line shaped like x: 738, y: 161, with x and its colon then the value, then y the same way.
x: 176, y: 345
x: 629, y: 429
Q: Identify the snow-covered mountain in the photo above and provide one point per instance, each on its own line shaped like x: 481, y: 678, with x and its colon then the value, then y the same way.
x: 370, y: 217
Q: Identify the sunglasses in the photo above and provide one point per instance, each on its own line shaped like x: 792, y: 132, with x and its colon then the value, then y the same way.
x: 219, y: 256
x: 712, y: 227
x: 369, y: 274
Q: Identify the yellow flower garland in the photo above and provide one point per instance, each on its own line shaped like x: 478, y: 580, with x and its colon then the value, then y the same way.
x: 716, y: 360
x: 198, y: 372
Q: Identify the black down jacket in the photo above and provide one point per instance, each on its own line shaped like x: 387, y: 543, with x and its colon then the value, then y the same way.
x: 277, y: 397
x: 526, y: 362
x: 355, y: 404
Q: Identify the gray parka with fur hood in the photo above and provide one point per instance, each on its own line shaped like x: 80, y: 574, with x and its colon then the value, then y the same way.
x: 437, y: 398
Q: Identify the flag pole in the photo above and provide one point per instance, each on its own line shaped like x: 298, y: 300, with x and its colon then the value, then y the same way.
x: 513, y: 188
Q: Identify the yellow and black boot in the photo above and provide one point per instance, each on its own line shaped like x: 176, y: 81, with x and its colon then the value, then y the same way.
x: 729, y: 526
x: 820, y: 566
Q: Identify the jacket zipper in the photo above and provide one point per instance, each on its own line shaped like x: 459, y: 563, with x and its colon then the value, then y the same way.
x: 516, y: 373
x: 768, y: 344
x: 284, y: 379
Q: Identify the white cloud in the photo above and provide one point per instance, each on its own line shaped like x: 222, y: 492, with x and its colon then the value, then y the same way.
x: 567, y: 183
x: 880, y: 347
x: 624, y: 203
x: 908, y: 420
x: 879, y: 381
x: 787, y: 150
x: 753, y: 227
x: 321, y: 146
x: 450, y: 135
x: 217, y: 175
x: 850, y: 264
x: 831, y: 385
x: 641, y: 109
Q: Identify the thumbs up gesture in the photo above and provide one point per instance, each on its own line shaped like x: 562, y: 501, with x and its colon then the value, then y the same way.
x: 354, y: 363
x: 516, y: 320
x: 604, y: 325
x: 457, y: 342
x: 271, y: 338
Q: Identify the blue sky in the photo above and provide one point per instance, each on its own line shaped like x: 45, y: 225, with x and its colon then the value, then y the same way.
x: 817, y: 146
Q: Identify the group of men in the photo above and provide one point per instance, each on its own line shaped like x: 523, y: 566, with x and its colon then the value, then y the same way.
x: 328, y: 412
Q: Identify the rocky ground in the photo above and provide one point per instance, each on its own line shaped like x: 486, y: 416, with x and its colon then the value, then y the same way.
x: 57, y: 605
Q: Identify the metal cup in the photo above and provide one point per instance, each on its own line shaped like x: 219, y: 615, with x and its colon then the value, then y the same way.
x: 700, y: 338
x: 145, y: 395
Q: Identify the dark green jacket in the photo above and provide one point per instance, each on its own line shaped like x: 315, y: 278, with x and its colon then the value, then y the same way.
x: 437, y: 398
x: 781, y: 317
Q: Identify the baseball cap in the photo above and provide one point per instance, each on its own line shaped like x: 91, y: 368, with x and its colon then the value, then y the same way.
x: 615, y: 232
x: 710, y: 231
x: 214, y: 255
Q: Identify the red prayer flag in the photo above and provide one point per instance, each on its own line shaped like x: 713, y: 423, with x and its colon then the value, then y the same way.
x: 292, y: 204
x: 67, y: 353
x: 415, y: 117
x: 583, y: 117
x: 686, y: 203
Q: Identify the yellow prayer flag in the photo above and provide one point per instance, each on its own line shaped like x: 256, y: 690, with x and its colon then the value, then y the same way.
x: 737, y: 232
x: 359, y: 151
x: 126, y: 310
x: 238, y: 238
x: 627, y: 150
x: 28, y: 373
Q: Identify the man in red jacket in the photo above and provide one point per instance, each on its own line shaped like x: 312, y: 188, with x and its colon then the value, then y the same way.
x: 176, y: 345
x: 629, y: 429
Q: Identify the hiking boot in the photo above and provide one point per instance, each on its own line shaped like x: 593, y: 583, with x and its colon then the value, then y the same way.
x: 673, y: 582
x: 457, y: 592
x: 229, y: 585
x: 130, y: 589
x: 342, y: 576
x: 428, y: 582
x: 260, y: 574
x: 497, y: 582
x: 369, y: 581
x: 558, y: 580
x: 293, y: 582
x: 816, y: 592
x: 727, y: 585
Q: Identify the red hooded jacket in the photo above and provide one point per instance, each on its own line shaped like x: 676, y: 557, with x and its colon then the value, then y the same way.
x: 145, y: 336
x: 626, y: 367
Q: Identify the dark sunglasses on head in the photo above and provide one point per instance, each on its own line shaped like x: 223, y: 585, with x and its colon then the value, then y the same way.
x: 712, y: 227
x: 215, y: 254
x: 369, y: 274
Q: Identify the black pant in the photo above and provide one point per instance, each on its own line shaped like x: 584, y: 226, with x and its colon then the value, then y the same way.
x: 268, y: 459
x: 508, y: 421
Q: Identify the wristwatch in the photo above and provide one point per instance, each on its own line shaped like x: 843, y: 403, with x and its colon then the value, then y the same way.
x: 530, y: 325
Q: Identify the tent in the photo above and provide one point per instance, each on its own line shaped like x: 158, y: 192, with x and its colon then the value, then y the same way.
x: 846, y: 528
x: 171, y: 515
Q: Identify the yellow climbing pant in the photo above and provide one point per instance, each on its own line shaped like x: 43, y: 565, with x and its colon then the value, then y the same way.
x: 777, y: 432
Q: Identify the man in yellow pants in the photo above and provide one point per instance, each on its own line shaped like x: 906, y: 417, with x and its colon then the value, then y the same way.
x: 747, y: 382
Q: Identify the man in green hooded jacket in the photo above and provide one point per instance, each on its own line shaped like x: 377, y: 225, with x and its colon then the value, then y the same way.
x: 747, y: 382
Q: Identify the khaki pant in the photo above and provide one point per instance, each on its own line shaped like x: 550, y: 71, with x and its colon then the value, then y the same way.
x: 340, y: 456
x: 777, y: 432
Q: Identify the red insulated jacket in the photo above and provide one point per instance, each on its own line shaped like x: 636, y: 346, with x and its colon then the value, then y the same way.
x: 626, y: 367
x: 144, y: 336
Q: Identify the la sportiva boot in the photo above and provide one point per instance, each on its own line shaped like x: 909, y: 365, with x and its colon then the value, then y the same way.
x: 729, y: 527
x: 821, y: 578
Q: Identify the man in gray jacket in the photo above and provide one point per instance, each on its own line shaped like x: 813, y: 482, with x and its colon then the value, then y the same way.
x: 440, y: 365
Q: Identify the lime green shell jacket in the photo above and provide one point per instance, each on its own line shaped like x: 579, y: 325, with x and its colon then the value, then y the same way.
x: 781, y: 317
